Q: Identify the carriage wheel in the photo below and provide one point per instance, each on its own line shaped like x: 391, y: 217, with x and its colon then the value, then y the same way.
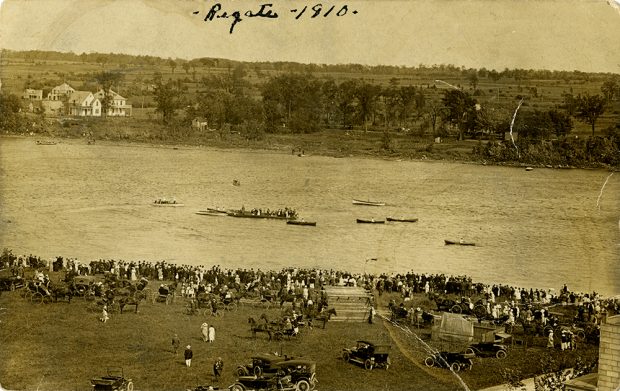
x: 368, y: 364
x: 429, y: 361
x: 231, y: 307
x: 241, y: 371
x: 25, y: 293
x: 455, y: 367
x: 456, y: 309
x: 501, y: 354
x: 36, y: 298
x: 303, y: 385
x: 346, y: 356
x: 278, y: 336
x: 129, y: 386
x: 46, y: 299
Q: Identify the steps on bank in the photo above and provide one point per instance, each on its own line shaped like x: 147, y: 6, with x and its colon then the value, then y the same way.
x: 349, y: 303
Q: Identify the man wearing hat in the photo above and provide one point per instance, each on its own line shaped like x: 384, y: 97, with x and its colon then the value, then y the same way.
x: 188, y: 355
x: 218, y: 367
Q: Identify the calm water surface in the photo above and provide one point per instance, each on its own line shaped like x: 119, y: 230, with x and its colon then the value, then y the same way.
x: 540, y: 228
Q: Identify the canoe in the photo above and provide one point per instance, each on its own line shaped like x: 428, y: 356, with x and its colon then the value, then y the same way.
x: 298, y: 222
x: 368, y: 203
x: 529, y: 168
x: 168, y: 204
x: 46, y: 142
x: 394, y: 219
x: 372, y: 221
x: 459, y: 243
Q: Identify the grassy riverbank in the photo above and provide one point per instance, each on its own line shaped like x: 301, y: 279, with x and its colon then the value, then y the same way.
x: 61, y: 346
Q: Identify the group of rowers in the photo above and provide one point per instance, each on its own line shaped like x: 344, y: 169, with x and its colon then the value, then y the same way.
x: 165, y: 201
x: 286, y: 212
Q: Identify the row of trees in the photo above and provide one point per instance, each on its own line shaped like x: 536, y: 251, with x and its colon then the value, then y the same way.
x: 302, y: 103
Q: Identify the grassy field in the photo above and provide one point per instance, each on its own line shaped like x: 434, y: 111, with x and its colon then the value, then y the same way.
x: 61, y: 346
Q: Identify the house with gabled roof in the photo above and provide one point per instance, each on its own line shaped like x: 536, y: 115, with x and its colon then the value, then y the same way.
x: 117, y: 106
x: 60, y: 92
x: 83, y: 104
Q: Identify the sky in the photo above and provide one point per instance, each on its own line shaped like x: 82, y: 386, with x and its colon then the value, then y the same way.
x: 496, y: 34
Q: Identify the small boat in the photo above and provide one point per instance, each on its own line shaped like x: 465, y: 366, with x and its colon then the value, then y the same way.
x: 371, y: 221
x: 250, y: 215
x: 397, y: 220
x: 215, y: 210
x: 368, y: 203
x: 39, y: 142
x: 529, y: 168
x: 170, y: 204
x: 236, y: 182
x: 301, y: 222
x: 207, y: 213
x: 459, y: 242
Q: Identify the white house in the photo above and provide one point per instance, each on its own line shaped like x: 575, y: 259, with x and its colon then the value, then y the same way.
x: 83, y: 104
x: 60, y: 92
x: 117, y: 106
x: 31, y: 94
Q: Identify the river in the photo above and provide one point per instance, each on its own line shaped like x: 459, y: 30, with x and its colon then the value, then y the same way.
x: 539, y: 228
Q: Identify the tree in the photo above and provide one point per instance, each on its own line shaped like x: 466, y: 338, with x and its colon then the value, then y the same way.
x: 186, y: 67
x: 367, y: 95
x: 10, y: 106
x: 168, y: 97
x: 106, y: 80
x: 460, y: 110
x: 610, y: 89
x: 473, y: 79
x: 589, y: 108
x: 172, y: 64
x: 561, y: 122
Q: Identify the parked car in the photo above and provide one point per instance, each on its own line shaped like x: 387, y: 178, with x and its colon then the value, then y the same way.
x: 113, y: 381
x: 488, y: 349
x: 301, y: 371
x: 451, y: 360
x: 263, y: 383
x: 368, y: 354
x: 261, y: 363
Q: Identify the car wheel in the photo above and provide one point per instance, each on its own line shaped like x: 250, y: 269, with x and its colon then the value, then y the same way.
x: 467, y: 365
x: 346, y: 357
x: 368, y: 364
x: 303, y: 385
x: 429, y: 361
x: 258, y: 371
x: 456, y: 309
x: 129, y: 386
x: 237, y: 387
x: 580, y: 336
x: 12, y: 287
x: 241, y: 371
x: 455, y: 367
x: 501, y: 354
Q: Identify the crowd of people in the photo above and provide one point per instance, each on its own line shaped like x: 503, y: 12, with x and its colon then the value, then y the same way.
x: 190, y: 280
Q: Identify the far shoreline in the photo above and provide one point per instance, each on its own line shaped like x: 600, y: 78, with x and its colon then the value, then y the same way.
x: 255, y: 148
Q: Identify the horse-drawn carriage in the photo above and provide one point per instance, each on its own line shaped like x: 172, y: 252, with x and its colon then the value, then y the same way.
x: 462, y: 306
x: 36, y: 292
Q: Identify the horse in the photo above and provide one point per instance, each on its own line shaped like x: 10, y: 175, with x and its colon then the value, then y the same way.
x: 324, y: 317
x: 62, y: 291
x: 127, y: 297
x: 259, y: 328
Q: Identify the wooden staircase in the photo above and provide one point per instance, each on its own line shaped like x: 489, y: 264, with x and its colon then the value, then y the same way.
x: 349, y: 303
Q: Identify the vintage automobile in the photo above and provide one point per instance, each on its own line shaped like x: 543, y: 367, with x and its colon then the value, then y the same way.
x: 368, y: 354
x: 113, y: 381
x: 269, y: 372
x: 488, y: 349
x: 261, y: 363
x: 263, y: 383
x: 454, y: 361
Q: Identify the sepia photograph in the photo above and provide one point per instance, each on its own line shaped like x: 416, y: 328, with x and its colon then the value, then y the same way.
x: 290, y: 195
